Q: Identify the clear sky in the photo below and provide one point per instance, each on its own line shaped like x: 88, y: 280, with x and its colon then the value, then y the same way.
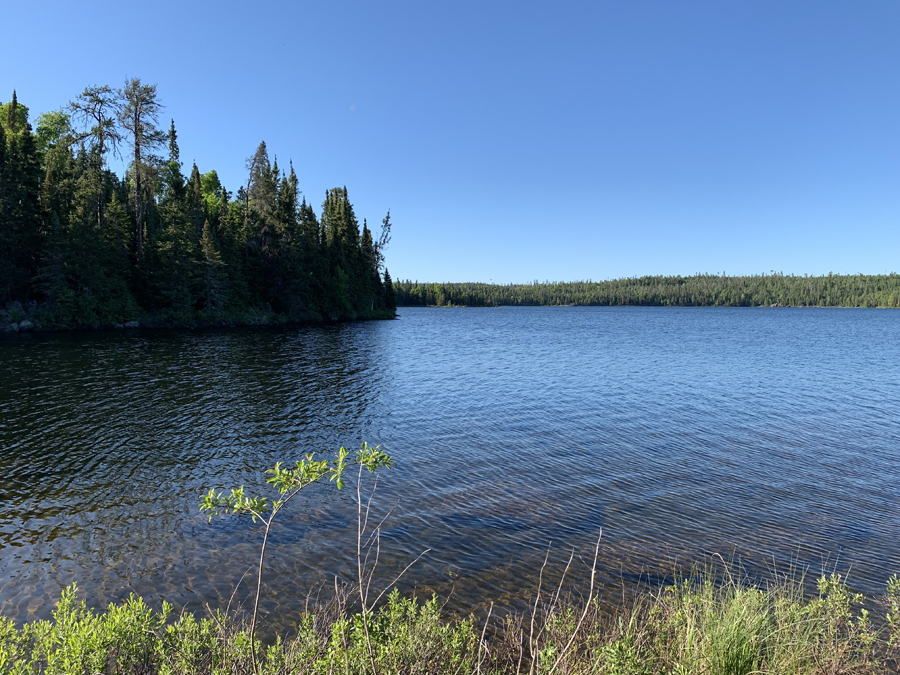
x: 515, y: 141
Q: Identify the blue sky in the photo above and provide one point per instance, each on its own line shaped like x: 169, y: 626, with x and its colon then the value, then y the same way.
x: 515, y: 141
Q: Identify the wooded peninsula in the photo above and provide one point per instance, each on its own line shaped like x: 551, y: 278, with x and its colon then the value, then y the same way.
x: 81, y: 247
x: 701, y: 290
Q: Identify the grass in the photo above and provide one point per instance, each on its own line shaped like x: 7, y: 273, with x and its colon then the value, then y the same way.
x: 692, y: 626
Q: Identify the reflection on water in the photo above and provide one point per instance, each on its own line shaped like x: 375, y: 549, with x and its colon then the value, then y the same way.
x: 768, y: 435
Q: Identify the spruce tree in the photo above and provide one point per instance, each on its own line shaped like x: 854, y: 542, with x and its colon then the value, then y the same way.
x: 214, y: 292
x: 196, y: 204
x: 175, y: 285
x: 20, y: 226
x: 101, y: 249
x: 12, y: 118
x: 313, y: 262
x: 7, y: 240
x: 374, y: 290
x: 235, y: 250
x: 390, y: 297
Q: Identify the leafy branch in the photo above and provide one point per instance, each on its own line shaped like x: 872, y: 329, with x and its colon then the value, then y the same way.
x: 289, y: 483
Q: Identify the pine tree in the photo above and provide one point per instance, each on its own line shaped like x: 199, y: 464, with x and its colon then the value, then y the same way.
x: 138, y: 115
x: 100, y: 249
x: 96, y: 108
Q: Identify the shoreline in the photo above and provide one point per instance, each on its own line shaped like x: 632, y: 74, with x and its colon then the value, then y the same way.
x: 32, y: 322
x: 774, y: 306
x: 698, y: 623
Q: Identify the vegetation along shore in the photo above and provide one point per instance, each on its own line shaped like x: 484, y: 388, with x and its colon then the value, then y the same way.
x: 691, y: 626
x: 701, y: 290
x: 720, y: 624
x: 81, y: 247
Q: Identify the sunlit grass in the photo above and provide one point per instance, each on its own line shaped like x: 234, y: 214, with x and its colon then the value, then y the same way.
x: 692, y: 626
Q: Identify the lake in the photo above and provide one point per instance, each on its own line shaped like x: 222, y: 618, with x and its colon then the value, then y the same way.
x: 765, y: 436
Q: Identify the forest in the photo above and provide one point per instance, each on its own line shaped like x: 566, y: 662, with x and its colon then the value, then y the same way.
x: 701, y: 290
x: 81, y: 247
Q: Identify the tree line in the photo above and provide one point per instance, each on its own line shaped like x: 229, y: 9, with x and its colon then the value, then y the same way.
x: 701, y: 290
x: 168, y: 246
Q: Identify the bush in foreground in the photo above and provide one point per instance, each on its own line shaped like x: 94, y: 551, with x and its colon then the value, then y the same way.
x: 693, y: 626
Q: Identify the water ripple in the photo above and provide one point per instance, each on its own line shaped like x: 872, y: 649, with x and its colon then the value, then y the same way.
x: 767, y: 435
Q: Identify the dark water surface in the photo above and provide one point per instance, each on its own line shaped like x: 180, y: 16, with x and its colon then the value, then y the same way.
x: 770, y: 435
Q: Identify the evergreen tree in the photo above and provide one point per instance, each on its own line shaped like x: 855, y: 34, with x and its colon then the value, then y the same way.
x: 99, y: 250
x: 214, y: 290
x: 289, y: 292
x: 313, y: 262
x: 232, y: 246
x: 7, y: 237
x: 390, y: 296
x: 196, y: 203
x: 340, y: 233
x: 260, y: 230
x: 97, y: 109
x: 20, y: 221
x: 175, y: 283
x: 383, y: 240
x: 372, y: 286
x: 138, y: 115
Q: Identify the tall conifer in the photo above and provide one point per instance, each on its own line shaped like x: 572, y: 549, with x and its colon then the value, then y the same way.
x: 139, y: 112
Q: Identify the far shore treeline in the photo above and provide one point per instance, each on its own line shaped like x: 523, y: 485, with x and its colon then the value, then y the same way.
x: 701, y: 290
x: 83, y: 247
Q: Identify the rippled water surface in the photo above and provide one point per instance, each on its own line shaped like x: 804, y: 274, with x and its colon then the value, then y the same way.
x: 769, y: 435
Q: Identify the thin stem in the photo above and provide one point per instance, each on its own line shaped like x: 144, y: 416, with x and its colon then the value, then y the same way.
x: 532, y: 647
x: 234, y: 592
x: 481, y: 642
x: 397, y: 578
x: 262, y: 556
x: 360, y: 531
x: 587, y: 606
x: 555, y: 597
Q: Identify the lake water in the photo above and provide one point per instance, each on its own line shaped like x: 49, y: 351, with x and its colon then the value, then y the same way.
x: 771, y: 436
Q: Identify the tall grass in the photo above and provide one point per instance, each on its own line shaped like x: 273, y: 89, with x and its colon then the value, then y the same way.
x: 695, y: 626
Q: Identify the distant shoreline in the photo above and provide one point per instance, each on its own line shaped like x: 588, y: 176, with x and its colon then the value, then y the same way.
x: 701, y: 290
x: 644, y: 306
